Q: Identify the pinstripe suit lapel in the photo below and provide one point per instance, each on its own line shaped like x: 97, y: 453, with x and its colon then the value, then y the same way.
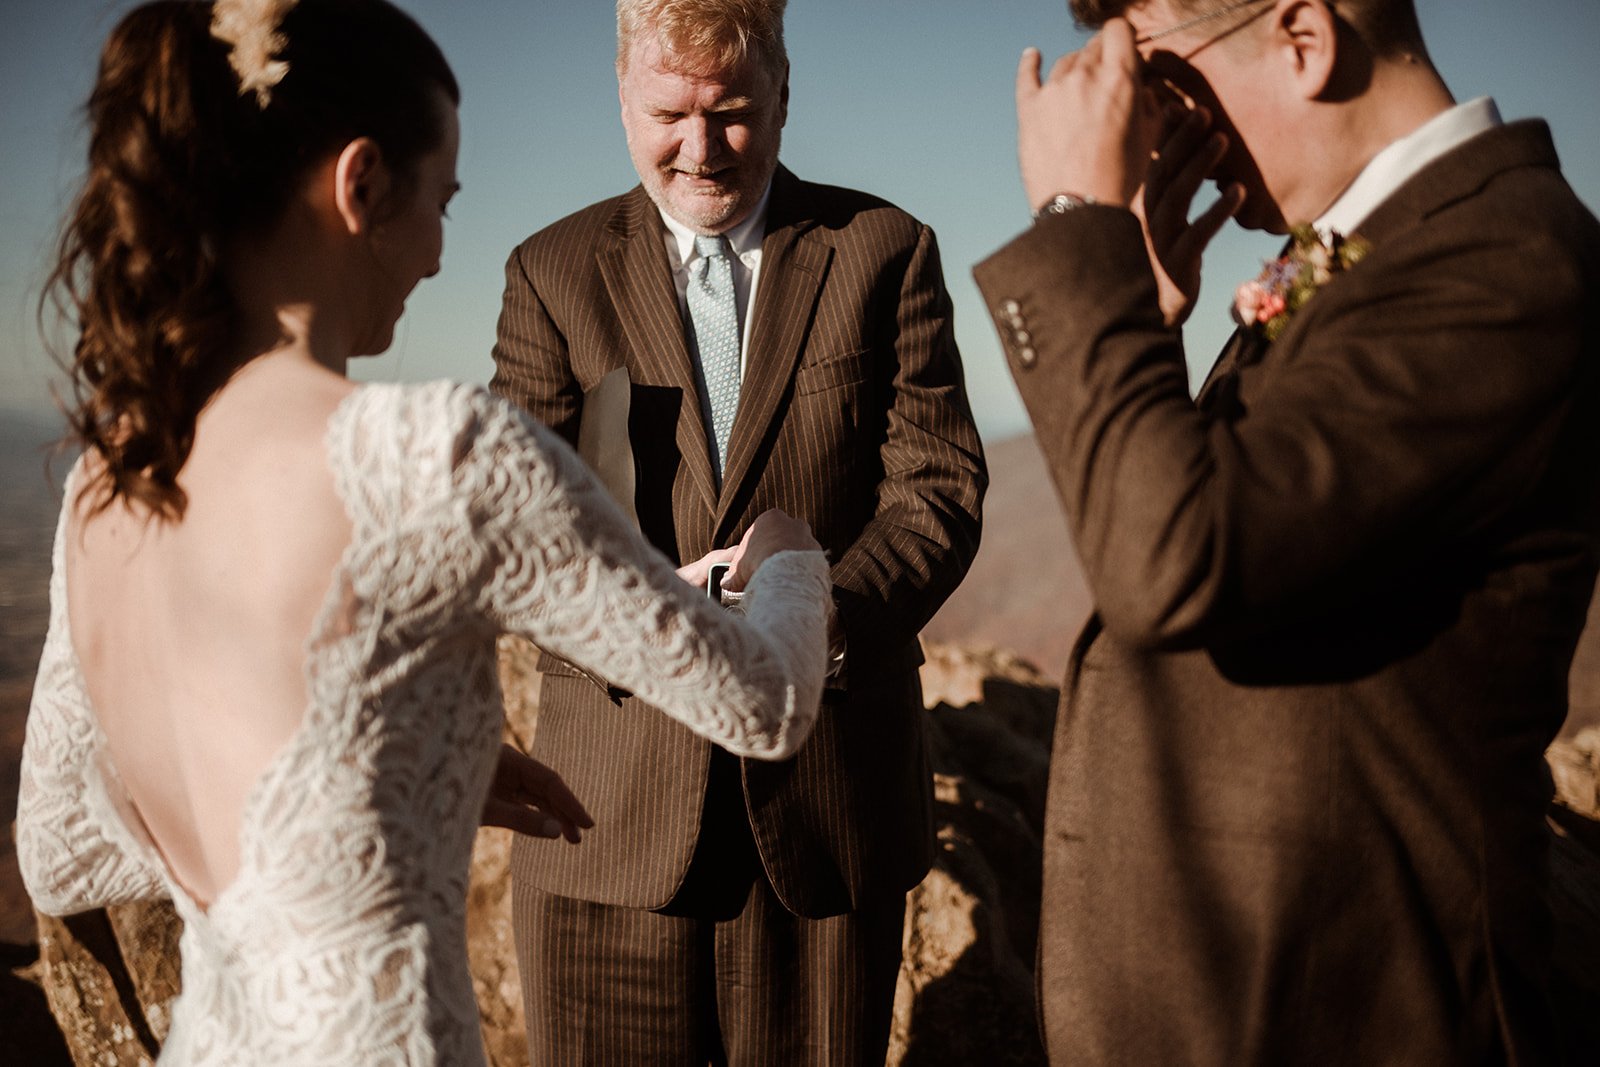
x: 640, y: 285
x: 794, y: 262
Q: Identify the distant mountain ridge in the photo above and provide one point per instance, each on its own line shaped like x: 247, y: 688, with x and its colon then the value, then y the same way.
x: 1026, y: 591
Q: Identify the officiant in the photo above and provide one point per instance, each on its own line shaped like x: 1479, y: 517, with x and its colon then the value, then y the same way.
x: 778, y: 343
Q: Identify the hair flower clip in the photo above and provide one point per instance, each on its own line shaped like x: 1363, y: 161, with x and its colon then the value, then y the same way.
x: 250, y: 27
x: 1284, y: 285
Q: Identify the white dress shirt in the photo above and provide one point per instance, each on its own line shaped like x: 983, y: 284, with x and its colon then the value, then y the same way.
x: 1401, y: 160
x: 746, y: 241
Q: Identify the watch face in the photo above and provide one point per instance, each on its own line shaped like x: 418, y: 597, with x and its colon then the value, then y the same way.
x: 1062, y: 203
x: 714, y: 578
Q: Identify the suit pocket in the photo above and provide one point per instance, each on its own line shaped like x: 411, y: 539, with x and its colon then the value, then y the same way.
x: 832, y: 372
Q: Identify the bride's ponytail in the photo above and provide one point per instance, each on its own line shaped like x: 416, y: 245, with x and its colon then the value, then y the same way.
x: 138, y: 258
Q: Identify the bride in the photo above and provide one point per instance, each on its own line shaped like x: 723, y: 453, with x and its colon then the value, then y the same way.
x: 269, y: 688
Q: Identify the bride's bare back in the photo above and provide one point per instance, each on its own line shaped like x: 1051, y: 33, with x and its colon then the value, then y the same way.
x: 191, y: 635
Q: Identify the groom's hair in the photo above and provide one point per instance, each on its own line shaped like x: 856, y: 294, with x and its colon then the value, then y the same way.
x: 706, y: 37
x: 1386, y: 27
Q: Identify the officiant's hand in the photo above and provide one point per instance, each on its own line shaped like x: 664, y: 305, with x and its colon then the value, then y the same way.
x: 773, y: 531
x: 530, y: 798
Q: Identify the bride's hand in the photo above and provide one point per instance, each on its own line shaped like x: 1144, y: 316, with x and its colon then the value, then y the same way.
x: 530, y: 798
x: 773, y: 531
x: 698, y: 572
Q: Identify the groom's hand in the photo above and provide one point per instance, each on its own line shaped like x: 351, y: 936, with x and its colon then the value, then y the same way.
x: 1089, y: 127
x: 530, y: 798
x: 1190, y: 149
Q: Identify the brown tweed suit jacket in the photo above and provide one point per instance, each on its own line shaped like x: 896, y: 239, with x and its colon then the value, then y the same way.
x: 853, y: 415
x: 1296, y: 809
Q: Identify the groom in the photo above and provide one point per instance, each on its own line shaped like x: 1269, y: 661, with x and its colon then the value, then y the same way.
x: 1297, y: 792
x: 778, y: 344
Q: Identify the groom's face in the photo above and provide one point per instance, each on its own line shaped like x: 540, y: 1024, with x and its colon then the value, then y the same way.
x: 1223, y: 67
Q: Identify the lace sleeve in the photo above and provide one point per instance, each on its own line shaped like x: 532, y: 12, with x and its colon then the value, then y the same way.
x: 573, y: 575
x: 71, y: 856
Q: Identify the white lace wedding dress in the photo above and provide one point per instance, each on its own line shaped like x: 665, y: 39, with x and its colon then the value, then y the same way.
x: 343, y: 938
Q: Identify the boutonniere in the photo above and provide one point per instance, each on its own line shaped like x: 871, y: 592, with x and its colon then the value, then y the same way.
x: 1268, y: 303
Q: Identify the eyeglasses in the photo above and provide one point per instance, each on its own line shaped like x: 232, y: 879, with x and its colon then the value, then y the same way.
x: 1198, y: 20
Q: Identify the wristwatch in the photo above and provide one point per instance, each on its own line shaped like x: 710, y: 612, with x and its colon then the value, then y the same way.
x: 1062, y: 203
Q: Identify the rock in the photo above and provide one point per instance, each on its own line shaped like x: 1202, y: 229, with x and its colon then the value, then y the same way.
x: 110, y: 976
x: 1574, y: 765
x: 493, y: 954
x: 973, y: 923
x: 495, y: 980
x: 31, y: 1034
x: 519, y: 682
x: 1575, y: 892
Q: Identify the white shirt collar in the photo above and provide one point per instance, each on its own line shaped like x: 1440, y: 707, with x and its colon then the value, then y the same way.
x: 1401, y: 160
x: 745, y: 237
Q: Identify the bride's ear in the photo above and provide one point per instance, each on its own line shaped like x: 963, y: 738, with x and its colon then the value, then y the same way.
x: 361, y: 181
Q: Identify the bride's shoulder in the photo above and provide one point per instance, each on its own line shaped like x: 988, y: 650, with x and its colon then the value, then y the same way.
x: 443, y: 404
x: 440, y: 426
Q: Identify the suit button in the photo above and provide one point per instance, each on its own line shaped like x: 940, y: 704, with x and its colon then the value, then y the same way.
x: 1024, y: 338
x: 1027, y: 356
x: 1011, y: 308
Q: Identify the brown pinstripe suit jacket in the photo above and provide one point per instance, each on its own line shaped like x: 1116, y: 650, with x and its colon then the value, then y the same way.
x: 1296, y: 808
x: 852, y: 415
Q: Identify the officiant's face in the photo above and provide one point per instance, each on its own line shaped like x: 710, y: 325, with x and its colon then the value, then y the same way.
x: 1224, y: 66
x: 705, y: 143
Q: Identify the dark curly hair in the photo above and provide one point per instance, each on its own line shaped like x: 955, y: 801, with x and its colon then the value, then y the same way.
x: 180, y: 164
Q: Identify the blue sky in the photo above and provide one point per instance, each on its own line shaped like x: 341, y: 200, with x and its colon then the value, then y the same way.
x: 909, y: 100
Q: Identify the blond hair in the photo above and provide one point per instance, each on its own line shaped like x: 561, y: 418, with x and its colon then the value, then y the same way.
x: 705, y: 36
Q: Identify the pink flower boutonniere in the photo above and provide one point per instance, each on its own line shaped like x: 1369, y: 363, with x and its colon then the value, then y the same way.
x: 1285, y: 284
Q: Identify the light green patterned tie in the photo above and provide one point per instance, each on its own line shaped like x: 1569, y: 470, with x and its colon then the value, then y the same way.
x: 714, y: 318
